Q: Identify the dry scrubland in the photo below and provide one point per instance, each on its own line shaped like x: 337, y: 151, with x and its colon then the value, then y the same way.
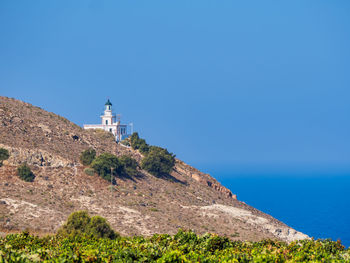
x: 138, y: 205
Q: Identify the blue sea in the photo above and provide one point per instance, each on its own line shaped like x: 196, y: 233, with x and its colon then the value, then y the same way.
x: 317, y: 205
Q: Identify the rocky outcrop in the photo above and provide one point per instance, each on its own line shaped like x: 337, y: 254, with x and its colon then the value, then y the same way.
x: 202, y: 178
x: 276, y: 228
x: 34, y: 157
x: 44, y: 138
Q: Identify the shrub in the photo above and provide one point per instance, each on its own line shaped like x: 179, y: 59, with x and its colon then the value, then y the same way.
x: 25, y: 173
x: 138, y: 144
x: 215, y: 242
x: 87, y: 156
x: 89, y: 171
x: 143, y: 146
x: 125, y: 142
x: 76, y: 224
x: 4, y: 155
x: 134, y: 138
x: 99, y: 228
x: 80, y: 223
x: 129, y: 165
x: 103, y: 164
x: 158, y: 161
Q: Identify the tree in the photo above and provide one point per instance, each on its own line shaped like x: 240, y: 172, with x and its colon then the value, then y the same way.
x: 129, y: 165
x: 25, y: 173
x: 4, y: 155
x: 80, y: 223
x: 158, y: 161
x: 104, y: 163
x: 138, y: 144
x: 134, y: 138
x: 143, y: 146
x: 100, y: 228
x: 87, y: 156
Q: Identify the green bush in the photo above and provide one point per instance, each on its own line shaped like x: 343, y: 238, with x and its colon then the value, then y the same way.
x: 87, y: 156
x: 215, y: 242
x: 99, y: 228
x: 143, y: 147
x: 125, y: 142
x: 80, y: 223
x: 25, y: 173
x: 129, y: 165
x: 89, y: 171
x: 158, y: 161
x: 138, y: 144
x: 4, y: 155
x: 103, y: 164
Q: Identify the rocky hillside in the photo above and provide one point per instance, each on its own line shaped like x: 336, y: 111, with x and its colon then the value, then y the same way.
x: 142, y: 204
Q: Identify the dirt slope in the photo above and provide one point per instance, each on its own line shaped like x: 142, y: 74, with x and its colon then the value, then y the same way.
x: 143, y: 204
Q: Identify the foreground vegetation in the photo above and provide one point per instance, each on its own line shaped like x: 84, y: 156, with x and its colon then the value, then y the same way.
x: 91, y: 239
x: 183, y: 247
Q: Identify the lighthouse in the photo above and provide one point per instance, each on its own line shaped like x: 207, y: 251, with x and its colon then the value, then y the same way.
x: 110, y: 124
x: 108, y: 118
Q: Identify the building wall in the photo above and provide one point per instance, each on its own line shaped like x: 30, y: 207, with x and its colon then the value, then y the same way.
x: 109, y: 119
x: 108, y: 124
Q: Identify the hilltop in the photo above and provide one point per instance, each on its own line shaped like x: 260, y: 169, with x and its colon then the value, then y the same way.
x: 141, y: 204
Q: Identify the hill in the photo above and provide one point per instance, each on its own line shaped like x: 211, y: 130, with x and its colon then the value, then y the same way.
x: 141, y: 204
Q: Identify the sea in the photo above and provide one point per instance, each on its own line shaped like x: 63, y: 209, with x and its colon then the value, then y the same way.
x: 315, y: 204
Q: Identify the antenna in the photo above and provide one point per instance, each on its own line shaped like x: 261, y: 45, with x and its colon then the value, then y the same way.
x: 118, y: 127
x: 119, y: 117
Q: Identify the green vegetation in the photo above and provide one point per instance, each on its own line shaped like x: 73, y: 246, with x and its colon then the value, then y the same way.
x: 81, y: 224
x: 105, y: 164
x: 183, y: 247
x: 157, y: 161
x: 87, y: 156
x: 129, y: 165
x: 138, y: 144
x: 4, y: 155
x: 125, y: 142
x: 25, y: 173
x: 89, y: 171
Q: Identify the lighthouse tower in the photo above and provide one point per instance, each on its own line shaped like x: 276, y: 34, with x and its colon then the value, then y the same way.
x: 108, y: 118
x: 110, y: 124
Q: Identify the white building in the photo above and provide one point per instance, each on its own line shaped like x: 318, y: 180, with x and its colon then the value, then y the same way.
x: 110, y: 124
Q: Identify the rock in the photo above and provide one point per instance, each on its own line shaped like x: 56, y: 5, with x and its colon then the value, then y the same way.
x: 196, y: 177
x: 34, y: 157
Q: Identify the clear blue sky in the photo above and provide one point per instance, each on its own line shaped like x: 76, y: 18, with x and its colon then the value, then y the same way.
x: 252, y: 84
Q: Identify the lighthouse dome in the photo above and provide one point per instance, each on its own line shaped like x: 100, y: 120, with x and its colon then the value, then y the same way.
x: 108, y: 103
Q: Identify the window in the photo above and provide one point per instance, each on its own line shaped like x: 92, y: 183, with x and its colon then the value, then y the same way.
x: 110, y: 129
x: 106, y: 122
